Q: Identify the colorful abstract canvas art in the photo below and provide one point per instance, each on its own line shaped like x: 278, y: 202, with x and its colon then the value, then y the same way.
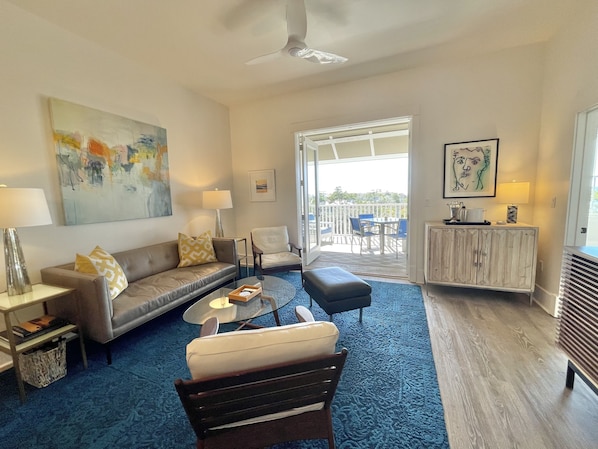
x: 111, y: 168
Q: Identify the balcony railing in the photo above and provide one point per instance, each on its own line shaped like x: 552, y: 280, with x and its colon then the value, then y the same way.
x: 338, y: 214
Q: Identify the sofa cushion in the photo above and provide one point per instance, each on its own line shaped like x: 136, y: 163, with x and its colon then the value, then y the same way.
x: 148, y: 296
x: 101, y: 262
x: 238, y: 351
x: 196, y: 250
x: 139, y: 263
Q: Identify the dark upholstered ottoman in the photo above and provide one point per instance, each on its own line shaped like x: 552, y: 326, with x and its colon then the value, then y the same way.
x: 337, y: 290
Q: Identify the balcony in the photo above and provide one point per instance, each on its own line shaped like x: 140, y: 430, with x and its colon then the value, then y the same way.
x: 371, y: 262
x: 338, y: 215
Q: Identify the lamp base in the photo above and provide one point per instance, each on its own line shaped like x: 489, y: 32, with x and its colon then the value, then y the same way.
x: 512, y: 213
x: 219, y: 231
x: 17, y: 278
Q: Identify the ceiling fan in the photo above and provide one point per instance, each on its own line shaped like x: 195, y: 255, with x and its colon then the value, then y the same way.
x: 296, y: 47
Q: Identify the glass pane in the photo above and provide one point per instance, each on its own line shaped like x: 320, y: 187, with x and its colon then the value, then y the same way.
x: 592, y: 233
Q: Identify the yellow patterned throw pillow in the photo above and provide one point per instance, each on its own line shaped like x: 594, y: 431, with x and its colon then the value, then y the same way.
x: 102, y: 263
x: 196, y: 250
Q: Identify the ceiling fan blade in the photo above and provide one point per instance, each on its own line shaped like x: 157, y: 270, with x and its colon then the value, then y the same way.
x: 297, y: 30
x: 317, y: 56
x: 296, y: 20
x: 265, y: 58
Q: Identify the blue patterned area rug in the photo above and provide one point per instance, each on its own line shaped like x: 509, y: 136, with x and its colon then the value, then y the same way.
x: 388, y: 397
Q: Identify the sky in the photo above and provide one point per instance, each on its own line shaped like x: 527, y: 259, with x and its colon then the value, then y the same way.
x: 361, y: 177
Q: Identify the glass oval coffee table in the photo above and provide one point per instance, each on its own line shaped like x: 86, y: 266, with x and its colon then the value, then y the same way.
x: 276, y: 293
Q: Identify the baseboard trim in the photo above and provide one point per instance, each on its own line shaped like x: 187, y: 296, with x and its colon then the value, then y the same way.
x: 546, y: 300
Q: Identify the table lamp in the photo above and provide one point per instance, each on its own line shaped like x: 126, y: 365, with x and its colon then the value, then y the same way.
x: 217, y: 199
x: 513, y: 193
x: 20, y: 208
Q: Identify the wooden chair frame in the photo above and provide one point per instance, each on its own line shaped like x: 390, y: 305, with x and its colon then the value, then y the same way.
x: 231, y: 398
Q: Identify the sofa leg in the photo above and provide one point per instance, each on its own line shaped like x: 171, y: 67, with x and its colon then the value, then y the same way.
x: 310, y: 302
x: 360, y: 314
x: 330, y: 316
x: 108, y: 353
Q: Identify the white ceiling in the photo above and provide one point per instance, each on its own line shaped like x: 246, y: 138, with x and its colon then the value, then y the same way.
x: 204, y: 44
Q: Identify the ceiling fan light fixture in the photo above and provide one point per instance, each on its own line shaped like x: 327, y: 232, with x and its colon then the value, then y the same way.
x: 317, y: 56
x: 298, y: 52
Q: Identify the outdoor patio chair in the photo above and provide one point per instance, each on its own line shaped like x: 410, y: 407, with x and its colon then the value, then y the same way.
x: 326, y: 229
x: 362, y: 231
x: 399, y: 234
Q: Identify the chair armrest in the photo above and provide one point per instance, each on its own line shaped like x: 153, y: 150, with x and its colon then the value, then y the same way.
x: 257, y: 254
x: 256, y: 250
x: 296, y: 248
x: 94, y: 309
x: 210, y: 327
x: 370, y: 227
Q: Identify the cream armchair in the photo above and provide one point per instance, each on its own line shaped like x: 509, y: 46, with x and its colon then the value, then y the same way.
x: 273, y: 252
x: 255, y: 388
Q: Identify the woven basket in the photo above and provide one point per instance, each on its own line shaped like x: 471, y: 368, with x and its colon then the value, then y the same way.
x: 44, y: 365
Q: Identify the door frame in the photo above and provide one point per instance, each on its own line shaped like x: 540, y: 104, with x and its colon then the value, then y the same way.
x: 301, y: 211
x: 578, y: 204
x: 310, y: 235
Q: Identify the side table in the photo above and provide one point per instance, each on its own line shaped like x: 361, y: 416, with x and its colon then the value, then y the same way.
x: 40, y: 294
x: 242, y: 258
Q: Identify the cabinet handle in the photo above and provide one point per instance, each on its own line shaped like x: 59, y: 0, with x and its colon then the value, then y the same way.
x: 480, y: 258
x: 475, y: 258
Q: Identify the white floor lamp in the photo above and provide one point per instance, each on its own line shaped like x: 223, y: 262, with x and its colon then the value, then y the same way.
x: 217, y: 199
x: 20, y: 208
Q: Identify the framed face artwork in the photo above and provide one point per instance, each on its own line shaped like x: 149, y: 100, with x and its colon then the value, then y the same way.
x: 470, y: 169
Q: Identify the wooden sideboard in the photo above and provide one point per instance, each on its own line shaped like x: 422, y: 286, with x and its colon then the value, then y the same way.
x: 495, y: 257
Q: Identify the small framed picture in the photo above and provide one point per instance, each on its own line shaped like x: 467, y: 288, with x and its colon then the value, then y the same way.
x: 470, y: 169
x: 262, y: 185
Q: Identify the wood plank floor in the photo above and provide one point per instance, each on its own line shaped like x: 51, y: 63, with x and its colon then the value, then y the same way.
x: 501, y: 377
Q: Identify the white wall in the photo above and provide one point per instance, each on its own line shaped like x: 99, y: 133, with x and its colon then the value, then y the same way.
x: 497, y: 95
x: 571, y: 86
x: 39, y: 61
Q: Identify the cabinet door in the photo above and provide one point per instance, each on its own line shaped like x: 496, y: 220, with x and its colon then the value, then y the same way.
x: 507, y: 258
x: 452, y: 255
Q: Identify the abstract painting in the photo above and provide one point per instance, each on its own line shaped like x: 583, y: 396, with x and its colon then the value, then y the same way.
x: 470, y: 169
x: 111, y: 168
x: 262, y: 185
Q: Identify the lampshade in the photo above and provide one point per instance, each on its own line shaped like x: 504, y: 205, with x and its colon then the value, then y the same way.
x: 23, y: 207
x: 513, y: 192
x: 217, y: 199
x: 20, y: 208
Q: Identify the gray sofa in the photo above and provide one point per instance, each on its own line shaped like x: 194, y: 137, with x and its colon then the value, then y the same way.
x: 156, y: 285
